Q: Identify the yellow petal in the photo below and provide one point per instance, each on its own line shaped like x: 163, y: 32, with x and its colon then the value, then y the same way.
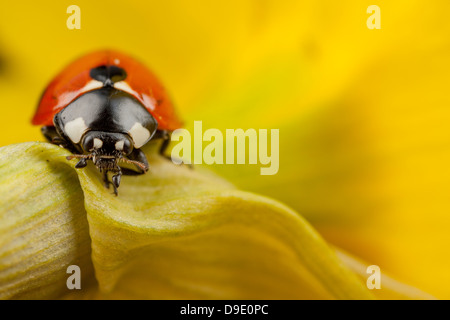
x: 182, y: 233
x: 172, y: 233
x: 43, y: 225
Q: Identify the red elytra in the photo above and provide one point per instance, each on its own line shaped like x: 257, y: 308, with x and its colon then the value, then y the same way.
x: 71, y: 84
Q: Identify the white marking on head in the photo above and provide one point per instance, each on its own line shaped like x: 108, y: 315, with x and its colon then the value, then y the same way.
x: 122, y: 85
x: 91, y: 85
x: 75, y: 129
x: 119, y: 145
x: 139, y: 134
x: 98, y: 143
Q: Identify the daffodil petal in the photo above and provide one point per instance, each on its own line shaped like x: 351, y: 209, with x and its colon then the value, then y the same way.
x: 43, y: 225
x: 172, y: 233
x: 180, y: 233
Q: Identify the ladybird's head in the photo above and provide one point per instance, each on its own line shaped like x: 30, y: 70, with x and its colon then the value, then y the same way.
x: 107, y: 143
x: 106, y: 148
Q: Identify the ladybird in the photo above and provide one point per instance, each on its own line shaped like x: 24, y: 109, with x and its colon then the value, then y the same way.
x: 104, y: 107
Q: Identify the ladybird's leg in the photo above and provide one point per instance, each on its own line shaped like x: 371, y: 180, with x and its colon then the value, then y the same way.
x: 116, y: 180
x: 106, y: 181
x: 81, y: 163
x: 165, y: 135
x: 113, y: 184
x: 139, y: 156
x: 52, y: 135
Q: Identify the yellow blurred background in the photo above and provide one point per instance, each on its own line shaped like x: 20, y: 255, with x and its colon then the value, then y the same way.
x: 363, y: 114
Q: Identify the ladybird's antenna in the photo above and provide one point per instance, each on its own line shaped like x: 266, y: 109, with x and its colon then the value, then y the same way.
x: 85, y: 157
x: 139, y: 164
x: 79, y: 156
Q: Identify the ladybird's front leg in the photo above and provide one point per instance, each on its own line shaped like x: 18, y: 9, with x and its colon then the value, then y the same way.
x: 138, y: 156
x: 81, y: 163
x: 106, y: 181
x: 115, y: 180
x: 165, y: 136
x: 52, y: 136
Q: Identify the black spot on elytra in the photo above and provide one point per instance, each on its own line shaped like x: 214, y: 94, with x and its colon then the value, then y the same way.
x: 108, y: 74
